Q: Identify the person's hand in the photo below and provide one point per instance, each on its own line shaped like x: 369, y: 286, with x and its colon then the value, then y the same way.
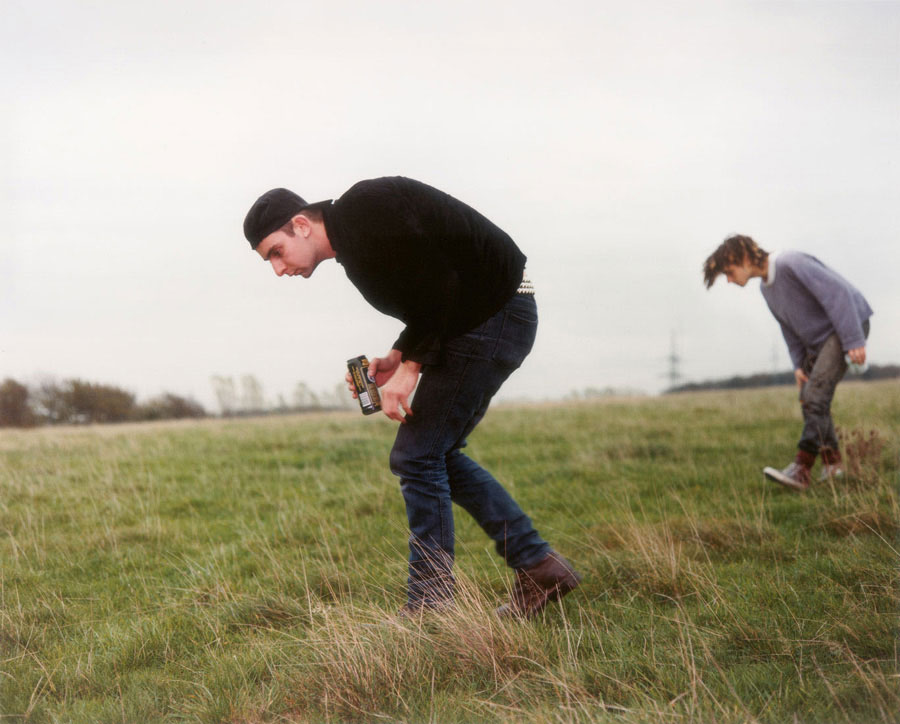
x: 801, y: 378
x: 381, y: 369
x: 395, y: 394
x: 857, y: 356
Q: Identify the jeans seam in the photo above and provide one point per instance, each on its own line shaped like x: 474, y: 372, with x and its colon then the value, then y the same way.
x: 432, y: 450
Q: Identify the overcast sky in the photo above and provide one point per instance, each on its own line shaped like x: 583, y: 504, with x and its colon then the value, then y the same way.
x: 618, y: 143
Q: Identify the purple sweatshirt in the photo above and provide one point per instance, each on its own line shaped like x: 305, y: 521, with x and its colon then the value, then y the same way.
x: 811, y: 302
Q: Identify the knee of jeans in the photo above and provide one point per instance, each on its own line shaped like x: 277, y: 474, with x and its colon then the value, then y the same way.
x: 815, y: 393
x: 815, y: 405
x: 407, y: 464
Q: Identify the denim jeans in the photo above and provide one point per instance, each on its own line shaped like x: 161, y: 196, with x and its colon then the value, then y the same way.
x: 824, y: 369
x: 427, y: 456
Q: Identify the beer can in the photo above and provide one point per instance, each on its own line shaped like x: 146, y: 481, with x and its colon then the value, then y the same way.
x: 366, y: 390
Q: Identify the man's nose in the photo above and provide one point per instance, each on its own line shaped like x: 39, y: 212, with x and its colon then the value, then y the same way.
x: 278, y: 266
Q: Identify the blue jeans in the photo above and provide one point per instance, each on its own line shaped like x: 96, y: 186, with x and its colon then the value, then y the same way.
x: 824, y: 369
x: 427, y: 456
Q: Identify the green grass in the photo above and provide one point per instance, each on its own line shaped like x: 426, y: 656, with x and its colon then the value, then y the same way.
x: 247, y: 571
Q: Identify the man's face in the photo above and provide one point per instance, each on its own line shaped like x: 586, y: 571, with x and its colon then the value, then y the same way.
x: 290, y: 254
x: 737, y: 273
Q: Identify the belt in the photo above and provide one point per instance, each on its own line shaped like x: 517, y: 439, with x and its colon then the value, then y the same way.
x: 526, y: 287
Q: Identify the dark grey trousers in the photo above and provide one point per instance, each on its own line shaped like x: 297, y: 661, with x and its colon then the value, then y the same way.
x: 825, y: 370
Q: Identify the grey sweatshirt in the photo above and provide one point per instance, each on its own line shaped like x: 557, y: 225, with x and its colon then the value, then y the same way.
x: 811, y: 302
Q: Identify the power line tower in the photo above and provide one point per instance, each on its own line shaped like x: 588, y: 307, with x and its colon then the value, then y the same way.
x: 675, y: 376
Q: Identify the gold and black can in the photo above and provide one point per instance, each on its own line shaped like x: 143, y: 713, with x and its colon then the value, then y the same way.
x: 366, y: 391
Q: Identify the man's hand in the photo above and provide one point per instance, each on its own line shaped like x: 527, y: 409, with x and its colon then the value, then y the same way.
x: 857, y: 356
x: 380, y: 368
x: 383, y: 368
x: 395, y: 394
x: 801, y: 378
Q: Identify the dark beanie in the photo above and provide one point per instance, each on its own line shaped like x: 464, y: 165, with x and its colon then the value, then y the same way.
x: 270, y: 212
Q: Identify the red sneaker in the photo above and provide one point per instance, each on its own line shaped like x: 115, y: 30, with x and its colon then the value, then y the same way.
x: 794, y: 476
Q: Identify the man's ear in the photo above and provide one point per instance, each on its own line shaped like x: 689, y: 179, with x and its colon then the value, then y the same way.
x: 302, y: 225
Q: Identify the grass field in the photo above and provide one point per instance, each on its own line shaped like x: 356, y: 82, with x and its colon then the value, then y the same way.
x: 248, y: 571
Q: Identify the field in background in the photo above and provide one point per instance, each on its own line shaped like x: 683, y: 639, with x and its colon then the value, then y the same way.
x: 248, y: 570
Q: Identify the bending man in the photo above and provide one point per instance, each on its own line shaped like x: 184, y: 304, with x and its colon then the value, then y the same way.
x: 457, y: 283
x: 823, y: 318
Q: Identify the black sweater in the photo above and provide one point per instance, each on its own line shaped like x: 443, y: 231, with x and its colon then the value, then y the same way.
x: 422, y: 256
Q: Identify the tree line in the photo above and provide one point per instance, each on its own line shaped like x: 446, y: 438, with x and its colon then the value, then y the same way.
x: 246, y: 396
x: 77, y: 401
x: 875, y: 372
x: 80, y: 402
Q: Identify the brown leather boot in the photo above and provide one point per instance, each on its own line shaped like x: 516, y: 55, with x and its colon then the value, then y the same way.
x: 549, y: 580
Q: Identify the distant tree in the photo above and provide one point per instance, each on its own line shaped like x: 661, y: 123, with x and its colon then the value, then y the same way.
x: 226, y: 394
x: 169, y: 407
x: 89, y: 402
x: 252, y: 398
x: 305, y: 398
x: 342, y: 397
x: 15, y: 410
x: 50, y: 401
x: 78, y: 401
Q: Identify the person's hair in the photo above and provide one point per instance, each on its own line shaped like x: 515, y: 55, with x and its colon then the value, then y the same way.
x: 734, y: 250
x: 313, y: 213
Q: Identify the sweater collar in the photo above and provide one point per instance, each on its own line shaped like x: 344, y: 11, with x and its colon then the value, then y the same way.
x: 770, y: 277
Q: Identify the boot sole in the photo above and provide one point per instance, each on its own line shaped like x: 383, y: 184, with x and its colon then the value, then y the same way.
x: 564, y: 587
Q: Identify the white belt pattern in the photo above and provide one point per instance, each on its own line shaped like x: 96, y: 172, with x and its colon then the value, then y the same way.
x: 526, y: 287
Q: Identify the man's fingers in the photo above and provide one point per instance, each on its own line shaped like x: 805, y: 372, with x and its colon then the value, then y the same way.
x: 391, y: 404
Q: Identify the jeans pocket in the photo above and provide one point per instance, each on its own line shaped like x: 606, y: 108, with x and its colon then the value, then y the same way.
x: 517, y: 334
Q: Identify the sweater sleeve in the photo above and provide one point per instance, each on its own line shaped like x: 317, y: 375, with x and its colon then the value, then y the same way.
x: 835, y: 295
